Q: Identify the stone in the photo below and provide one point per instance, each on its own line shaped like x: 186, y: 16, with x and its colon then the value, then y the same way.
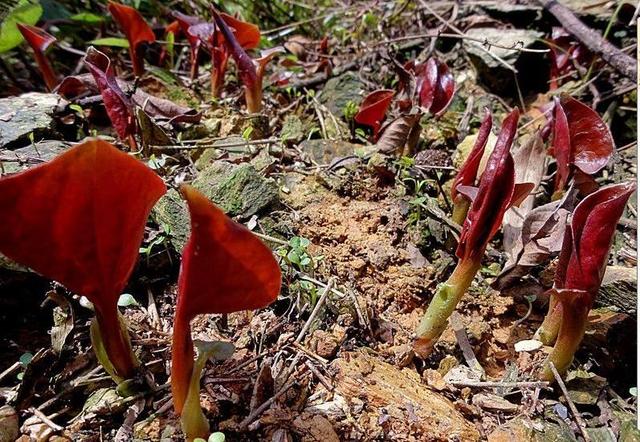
x: 325, y: 151
x: 338, y: 91
x: 619, y: 289
x: 293, y: 129
x: 31, y: 155
x: 491, y: 69
x: 26, y: 114
x: 9, y: 424
x: 522, y: 429
x: 237, y: 189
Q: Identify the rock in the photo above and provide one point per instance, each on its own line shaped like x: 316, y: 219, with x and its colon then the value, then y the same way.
x: 396, y: 402
x: 237, y: 189
x: 324, y: 344
x: 31, y: 155
x: 519, y: 15
x: 338, y: 91
x: 9, y: 424
x: 293, y: 129
x: 494, y: 402
x: 619, y: 289
x: 523, y: 429
x: 325, y: 151
x: 26, y: 114
x: 492, y: 72
x: 314, y: 428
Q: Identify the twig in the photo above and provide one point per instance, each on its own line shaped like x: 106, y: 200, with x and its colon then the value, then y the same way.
x: 216, y: 146
x: 45, y: 420
x: 617, y: 59
x: 261, y: 409
x: 309, y: 353
x: 316, y: 310
x: 498, y: 384
x: 10, y: 370
x: 323, y: 380
x: 483, y: 41
x: 463, y: 343
x: 125, y: 432
x: 582, y: 426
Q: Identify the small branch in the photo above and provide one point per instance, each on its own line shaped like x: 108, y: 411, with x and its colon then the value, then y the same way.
x: 45, y: 420
x: 315, y: 311
x: 582, y: 426
x: 463, y: 343
x: 216, y: 146
x: 262, y: 408
x: 498, y: 384
x: 617, y: 59
x: 516, y: 46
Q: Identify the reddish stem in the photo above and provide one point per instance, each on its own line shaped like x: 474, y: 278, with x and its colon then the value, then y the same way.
x: 116, y: 342
x: 182, y: 355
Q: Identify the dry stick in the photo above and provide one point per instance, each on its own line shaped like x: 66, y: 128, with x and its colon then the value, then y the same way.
x: 10, y: 370
x: 125, y: 432
x: 483, y: 41
x: 617, y: 59
x: 323, y: 380
x: 216, y: 146
x: 266, y: 404
x: 460, y: 33
x: 309, y: 353
x: 316, y: 310
x: 582, y: 426
x: 494, y: 384
x: 463, y: 342
x: 45, y: 420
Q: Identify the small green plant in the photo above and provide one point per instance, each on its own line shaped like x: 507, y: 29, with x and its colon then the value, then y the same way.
x: 296, y: 255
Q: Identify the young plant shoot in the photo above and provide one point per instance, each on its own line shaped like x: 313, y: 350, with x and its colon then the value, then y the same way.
x: 136, y: 30
x: 497, y: 192
x: 251, y: 71
x: 79, y: 219
x: 466, y: 178
x: 583, y: 260
x: 39, y: 41
x: 374, y: 108
x: 435, y: 85
x: 225, y: 268
x: 118, y: 105
x: 582, y: 143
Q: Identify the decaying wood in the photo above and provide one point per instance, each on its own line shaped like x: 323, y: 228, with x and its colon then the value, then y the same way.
x: 617, y: 59
x: 399, y: 397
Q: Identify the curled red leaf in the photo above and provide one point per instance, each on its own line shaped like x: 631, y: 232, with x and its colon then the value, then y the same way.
x: 119, y: 106
x: 39, y: 41
x: 469, y: 170
x: 135, y: 29
x: 495, y: 195
x: 581, y: 139
x: 374, y: 108
x: 79, y: 219
x: 247, y: 34
x: 225, y: 268
x: 435, y: 85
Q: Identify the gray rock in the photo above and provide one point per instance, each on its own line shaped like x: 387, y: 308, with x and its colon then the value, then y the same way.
x: 26, y: 114
x: 31, y: 155
x: 338, y: 91
x: 490, y: 66
x: 239, y: 190
x: 619, y: 289
x: 325, y: 151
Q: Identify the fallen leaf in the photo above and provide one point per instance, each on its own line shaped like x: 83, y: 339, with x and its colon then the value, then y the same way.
x: 400, y: 135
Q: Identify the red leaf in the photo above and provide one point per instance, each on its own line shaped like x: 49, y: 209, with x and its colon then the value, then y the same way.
x: 118, y: 105
x: 495, y: 194
x: 435, y: 85
x: 561, y: 146
x: 374, y: 108
x: 247, y: 34
x: 135, y: 29
x: 469, y: 170
x: 79, y: 220
x: 591, y: 141
x: 585, y: 251
x: 225, y: 268
x: 39, y: 41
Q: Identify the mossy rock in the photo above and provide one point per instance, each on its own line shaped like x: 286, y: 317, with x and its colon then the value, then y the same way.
x: 239, y: 190
x: 338, y: 91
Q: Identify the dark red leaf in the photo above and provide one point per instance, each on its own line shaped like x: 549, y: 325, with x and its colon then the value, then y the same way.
x: 435, y: 85
x: 118, y: 105
x: 247, y: 34
x: 39, y: 41
x: 135, y: 29
x: 561, y: 146
x: 374, y: 108
x: 591, y: 141
x: 593, y: 227
x: 225, y: 268
x: 495, y: 194
x: 79, y: 220
x: 469, y: 170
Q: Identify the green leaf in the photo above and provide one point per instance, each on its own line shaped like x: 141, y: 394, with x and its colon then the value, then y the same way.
x: 88, y: 18
x: 217, y: 437
x: 115, y: 42
x: 26, y: 13
x: 25, y: 359
x: 126, y: 300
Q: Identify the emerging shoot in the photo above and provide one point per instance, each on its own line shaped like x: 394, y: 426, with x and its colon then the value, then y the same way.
x: 39, y: 41
x: 136, y: 30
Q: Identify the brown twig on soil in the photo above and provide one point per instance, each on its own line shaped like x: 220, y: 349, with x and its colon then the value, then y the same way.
x: 125, y: 432
x: 265, y: 405
x: 216, y: 146
x: 617, y: 59
x: 498, y: 384
x: 582, y: 426
x: 10, y: 370
x: 464, y: 344
x: 45, y: 420
x: 316, y: 310
x: 484, y: 42
x: 321, y: 378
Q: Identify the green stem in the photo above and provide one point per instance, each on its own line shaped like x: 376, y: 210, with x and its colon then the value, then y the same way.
x: 574, y: 322
x: 194, y: 422
x: 110, y: 340
x: 549, y: 328
x: 460, y: 209
x: 442, y: 305
x: 181, y: 361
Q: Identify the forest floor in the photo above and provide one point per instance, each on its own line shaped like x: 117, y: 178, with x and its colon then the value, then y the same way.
x: 363, y: 237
